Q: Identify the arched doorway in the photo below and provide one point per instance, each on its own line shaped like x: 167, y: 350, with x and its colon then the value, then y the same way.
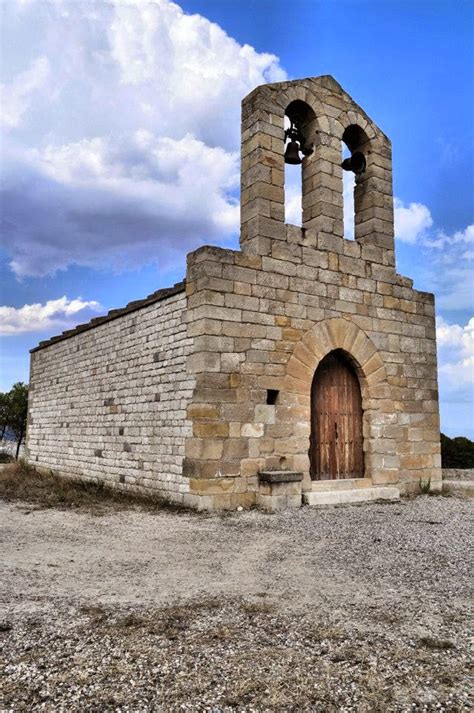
x: 336, y: 442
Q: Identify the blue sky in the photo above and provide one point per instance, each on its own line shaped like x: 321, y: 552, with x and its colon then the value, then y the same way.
x: 121, y: 139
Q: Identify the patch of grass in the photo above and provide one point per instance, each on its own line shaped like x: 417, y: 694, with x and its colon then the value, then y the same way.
x: 20, y: 481
x: 430, y: 642
x: 6, y: 458
x: 243, y: 691
x: 425, y: 486
x: 327, y: 633
x: 387, y: 617
x: 169, y: 622
x: 258, y: 608
x: 203, y: 654
x: 96, y: 614
x: 221, y: 633
x: 131, y: 621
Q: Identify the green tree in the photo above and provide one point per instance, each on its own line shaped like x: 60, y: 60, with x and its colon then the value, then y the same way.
x: 17, y: 412
x: 457, y: 452
x: 4, y: 411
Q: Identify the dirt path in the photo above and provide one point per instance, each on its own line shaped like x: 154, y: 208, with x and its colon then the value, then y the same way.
x: 397, y: 572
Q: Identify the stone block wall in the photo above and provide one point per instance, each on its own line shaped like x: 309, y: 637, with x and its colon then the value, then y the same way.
x: 263, y: 318
x: 261, y: 323
x: 108, y: 403
x: 328, y: 117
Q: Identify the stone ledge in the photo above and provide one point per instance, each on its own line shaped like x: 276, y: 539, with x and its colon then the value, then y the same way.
x: 459, y: 487
x: 360, y: 495
x: 280, y: 476
x: 458, y: 474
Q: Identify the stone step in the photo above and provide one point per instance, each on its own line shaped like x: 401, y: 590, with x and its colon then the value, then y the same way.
x: 342, y: 484
x: 359, y: 495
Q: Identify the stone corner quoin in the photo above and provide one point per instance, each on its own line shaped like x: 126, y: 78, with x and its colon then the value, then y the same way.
x: 194, y: 391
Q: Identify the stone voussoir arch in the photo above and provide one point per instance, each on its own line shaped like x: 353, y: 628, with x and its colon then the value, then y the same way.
x: 353, y: 117
x: 285, y: 97
x: 324, y: 337
x: 282, y: 96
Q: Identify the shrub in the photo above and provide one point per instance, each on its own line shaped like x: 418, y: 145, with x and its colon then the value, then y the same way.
x: 457, y: 452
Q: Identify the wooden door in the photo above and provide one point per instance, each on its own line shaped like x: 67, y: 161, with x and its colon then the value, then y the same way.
x: 336, y: 420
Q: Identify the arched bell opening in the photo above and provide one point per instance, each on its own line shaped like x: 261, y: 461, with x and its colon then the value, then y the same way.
x: 348, y: 186
x: 299, y: 137
x: 355, y: 158
x: 336, y: 440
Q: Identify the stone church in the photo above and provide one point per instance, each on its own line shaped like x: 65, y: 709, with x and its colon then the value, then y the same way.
x: 298, y: 369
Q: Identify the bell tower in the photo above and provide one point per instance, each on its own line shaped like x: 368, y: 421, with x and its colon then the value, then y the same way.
x: 321, y: 116
x: 314, y: 361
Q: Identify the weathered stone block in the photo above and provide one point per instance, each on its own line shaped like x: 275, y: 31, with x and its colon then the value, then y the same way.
x: 202, y: 412
x: 214, y: 429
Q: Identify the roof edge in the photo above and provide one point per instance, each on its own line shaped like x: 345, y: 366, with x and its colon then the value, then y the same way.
x: 157, y: 296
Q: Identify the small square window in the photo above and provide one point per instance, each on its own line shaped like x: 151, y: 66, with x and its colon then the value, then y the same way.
x: 272, y: 396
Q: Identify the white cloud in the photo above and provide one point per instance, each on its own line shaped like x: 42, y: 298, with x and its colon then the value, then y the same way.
x: 293, y: 208
x: 449, y: 334
x: 411, y: 221
x: 40, y: 317
x: 456, y: 375
x: 445, y: 257
x: 128, y: 154
x: 460, y: 238
x: 414, y: 221
x: 17, y: 95
x: 123, y: 65
x: 348, y: 182
x: 193, y: 62
x: 190, y: 73
x: 119, y: 202
x: 450, y: 267
x: 456, y: 359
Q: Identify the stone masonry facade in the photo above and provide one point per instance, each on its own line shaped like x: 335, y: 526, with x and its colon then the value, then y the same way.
x: 204, y: 396
x: 109, y: 402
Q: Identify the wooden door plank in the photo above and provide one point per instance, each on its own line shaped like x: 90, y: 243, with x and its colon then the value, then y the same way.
x: 336, y: 443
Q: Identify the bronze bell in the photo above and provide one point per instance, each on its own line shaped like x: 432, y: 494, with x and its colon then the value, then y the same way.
x: 292, y: 153
x: 356, y: 163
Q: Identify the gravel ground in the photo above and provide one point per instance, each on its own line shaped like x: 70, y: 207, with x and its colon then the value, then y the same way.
x: 341, y: 609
